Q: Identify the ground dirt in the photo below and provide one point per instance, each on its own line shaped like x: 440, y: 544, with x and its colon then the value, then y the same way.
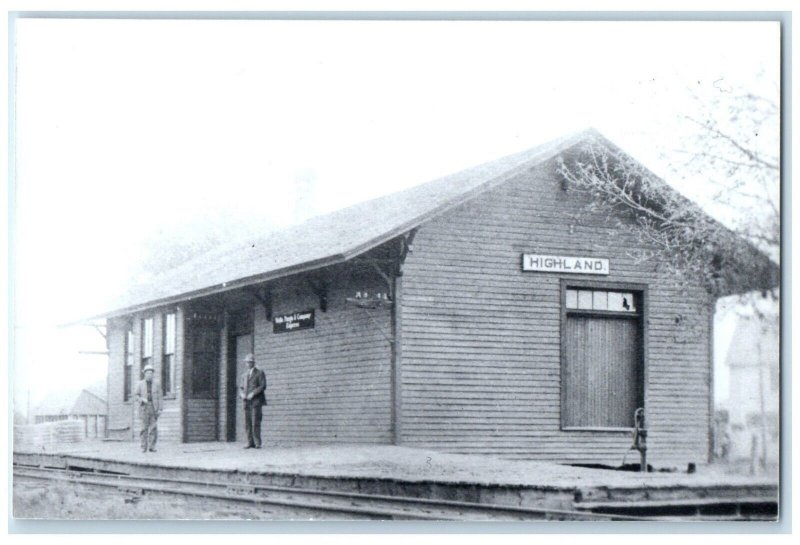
x: 60, y: 501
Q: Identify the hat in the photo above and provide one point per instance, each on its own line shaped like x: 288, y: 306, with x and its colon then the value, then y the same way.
x: 248, y: 358
x: 147, y: 368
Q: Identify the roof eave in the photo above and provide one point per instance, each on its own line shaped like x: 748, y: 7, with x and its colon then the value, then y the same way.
x: 218, y: 288
x: 565, y: 144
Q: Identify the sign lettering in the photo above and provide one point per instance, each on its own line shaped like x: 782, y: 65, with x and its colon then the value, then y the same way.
x: 293, y: 322
x: 565, y: 264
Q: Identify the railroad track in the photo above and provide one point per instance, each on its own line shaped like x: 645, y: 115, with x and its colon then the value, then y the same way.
x: 307, y: 501
x: 743, y: 508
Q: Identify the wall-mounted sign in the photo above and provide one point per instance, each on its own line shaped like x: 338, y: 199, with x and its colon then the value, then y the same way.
x: 564, y: 264
x: 293, y: 322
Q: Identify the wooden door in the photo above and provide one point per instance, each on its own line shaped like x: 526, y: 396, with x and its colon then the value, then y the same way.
x: 603, y: 371
x: 243, y: 346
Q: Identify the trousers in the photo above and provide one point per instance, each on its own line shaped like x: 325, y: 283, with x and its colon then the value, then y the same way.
x: 149, y: 433
x: 252, y: 422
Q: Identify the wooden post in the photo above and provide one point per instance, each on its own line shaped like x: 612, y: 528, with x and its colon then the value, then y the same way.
x: 136, y: 372
x: 180, y: 360
x: 711, y: 384
x: 643, y: 460
x: 396, y: 351
x: 763, y: 453
x: 222, y: 376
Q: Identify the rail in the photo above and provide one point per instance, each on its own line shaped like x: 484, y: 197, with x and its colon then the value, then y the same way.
x: 311, y: 500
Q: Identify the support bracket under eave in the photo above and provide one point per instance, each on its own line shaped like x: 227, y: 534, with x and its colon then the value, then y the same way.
x: 406, y: 246
x: 378, y: 326
x: 101, y: 330
x: 321, y: 291
x: 386, y: 278
x: 265, y: 298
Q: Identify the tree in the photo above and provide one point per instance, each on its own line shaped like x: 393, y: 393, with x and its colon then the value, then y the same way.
x: 735, y: 147
x: 680, y: 238
x: 728, y: 146
x: 732, y: 143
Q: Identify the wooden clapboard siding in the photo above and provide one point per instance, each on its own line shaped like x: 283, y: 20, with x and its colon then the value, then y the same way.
x: 119, y: 411
x: 169, y: 423
x: 329, y: 384
x: 481, y: 355
x: 202, y: 420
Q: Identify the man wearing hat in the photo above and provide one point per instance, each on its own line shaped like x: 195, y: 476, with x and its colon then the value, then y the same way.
x: 148, y: 398
x: 254, y: 382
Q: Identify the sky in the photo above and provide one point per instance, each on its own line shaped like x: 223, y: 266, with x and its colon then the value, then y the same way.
x: 127, y: 131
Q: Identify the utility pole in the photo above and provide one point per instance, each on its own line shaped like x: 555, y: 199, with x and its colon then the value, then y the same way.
x: 763, y: 461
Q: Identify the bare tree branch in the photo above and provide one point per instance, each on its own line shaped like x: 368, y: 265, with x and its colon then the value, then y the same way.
x: 711, y: 128
x: 673, y: 231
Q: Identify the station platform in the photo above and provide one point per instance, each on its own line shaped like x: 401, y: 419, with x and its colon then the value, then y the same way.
x: 389, y: 462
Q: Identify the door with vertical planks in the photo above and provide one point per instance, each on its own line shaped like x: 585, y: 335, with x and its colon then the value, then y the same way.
x: 603, y: 372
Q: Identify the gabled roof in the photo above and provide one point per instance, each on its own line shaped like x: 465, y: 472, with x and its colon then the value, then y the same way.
x: 72, y: 402
x: 330, y: 238
x: 89, y: 402
x: 339, y: 236
x: 57, y: 403
x: 755, y: 343
x: 98, y: 389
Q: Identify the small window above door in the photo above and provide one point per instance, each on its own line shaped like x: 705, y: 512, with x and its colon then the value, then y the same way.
x: 602, y: 300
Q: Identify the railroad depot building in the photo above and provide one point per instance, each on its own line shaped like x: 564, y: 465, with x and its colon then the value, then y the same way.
x: 487, y: 312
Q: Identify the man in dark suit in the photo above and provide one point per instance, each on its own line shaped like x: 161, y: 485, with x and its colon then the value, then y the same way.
x: 254, y: 383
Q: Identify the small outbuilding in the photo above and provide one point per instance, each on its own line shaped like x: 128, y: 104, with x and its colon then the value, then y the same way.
x: 87, y: 405
x: 753, y: 363
x: 488, y: 312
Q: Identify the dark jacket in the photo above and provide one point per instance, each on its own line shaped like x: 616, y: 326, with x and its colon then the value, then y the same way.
x: 254, y: 383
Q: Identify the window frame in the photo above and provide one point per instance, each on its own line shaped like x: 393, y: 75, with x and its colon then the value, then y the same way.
x: 146, y: 359
x: 171, y: 393
x: 641, y: 316
x: 129, y: 355
x: 212, y: 392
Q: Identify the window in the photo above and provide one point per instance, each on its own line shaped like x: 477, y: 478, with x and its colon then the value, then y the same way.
x: 602, y: 357
x: 205, y: 362
x: 588, y: 299
x: 147, y: 344
x: 127, y: 388
x: 168, y: 358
